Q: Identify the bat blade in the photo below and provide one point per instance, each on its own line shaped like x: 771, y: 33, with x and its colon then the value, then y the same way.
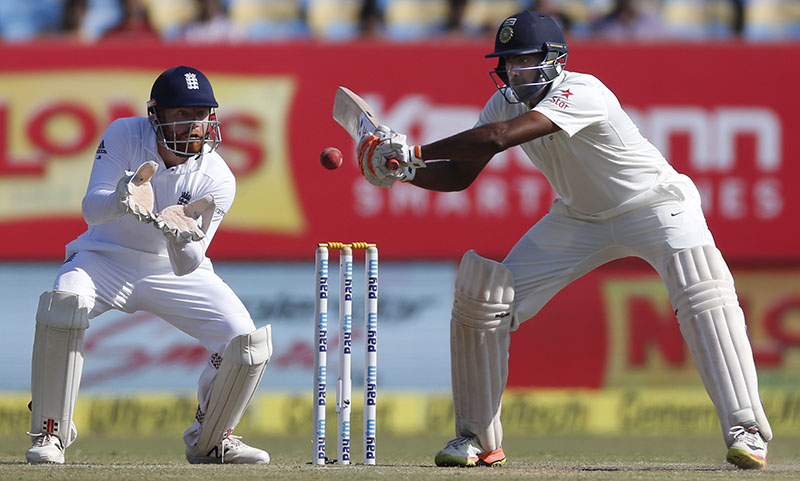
x: 353, y: 113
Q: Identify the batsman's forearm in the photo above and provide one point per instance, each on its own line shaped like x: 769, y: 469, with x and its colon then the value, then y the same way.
x: 463, y: 157
x: 472, y: 145
x: 442, y: 176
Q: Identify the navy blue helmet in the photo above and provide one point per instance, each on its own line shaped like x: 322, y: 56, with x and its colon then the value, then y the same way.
x: 526, y: 33
x: 183, y: 86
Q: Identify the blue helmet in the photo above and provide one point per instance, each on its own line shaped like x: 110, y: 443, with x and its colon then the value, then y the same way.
x: 527, y: 33
x: 183, y: 87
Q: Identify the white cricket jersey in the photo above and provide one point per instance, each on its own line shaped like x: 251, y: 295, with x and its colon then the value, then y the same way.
x: 598, y: 163
x: 125, y: 145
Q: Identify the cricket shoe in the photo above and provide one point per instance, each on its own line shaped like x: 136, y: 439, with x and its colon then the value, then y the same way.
x: 47, y: 448
x: 467, y: 452
x: 231, y: 450
x: 749, y: 449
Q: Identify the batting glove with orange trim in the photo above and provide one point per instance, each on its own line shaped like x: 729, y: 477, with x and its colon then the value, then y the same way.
x: 385, y: 157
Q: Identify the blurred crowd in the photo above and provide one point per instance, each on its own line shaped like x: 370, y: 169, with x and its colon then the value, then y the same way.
x: 221, y: 21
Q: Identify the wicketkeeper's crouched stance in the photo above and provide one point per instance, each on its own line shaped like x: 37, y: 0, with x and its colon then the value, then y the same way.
x: 134, y: 259
x: 618, y: 197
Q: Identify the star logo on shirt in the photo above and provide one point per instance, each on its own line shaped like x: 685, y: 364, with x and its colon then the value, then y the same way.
x: 565, y: 94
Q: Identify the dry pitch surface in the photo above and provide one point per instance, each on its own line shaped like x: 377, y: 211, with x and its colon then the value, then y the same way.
x: 559, y: 457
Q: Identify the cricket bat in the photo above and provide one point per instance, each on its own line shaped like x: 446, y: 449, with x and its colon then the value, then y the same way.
x: 356, y: 117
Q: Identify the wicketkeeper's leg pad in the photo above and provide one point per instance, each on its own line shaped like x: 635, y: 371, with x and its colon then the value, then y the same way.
x: 243, y: 364
x: 61, y: 319
x: 479, y: 343
x: 712, y: 323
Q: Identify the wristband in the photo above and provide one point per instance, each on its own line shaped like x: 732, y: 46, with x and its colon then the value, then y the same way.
x: 415, y: 157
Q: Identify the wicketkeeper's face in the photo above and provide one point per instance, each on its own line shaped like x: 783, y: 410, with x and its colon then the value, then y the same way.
x: 185, y: 128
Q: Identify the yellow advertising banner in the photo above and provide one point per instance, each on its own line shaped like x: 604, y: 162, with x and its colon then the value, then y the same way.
x: 52, y: 128
x: 641, y: 412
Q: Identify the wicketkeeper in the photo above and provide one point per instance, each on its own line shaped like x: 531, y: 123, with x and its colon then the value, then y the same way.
x: 157, y: 194
x: 618, y: 197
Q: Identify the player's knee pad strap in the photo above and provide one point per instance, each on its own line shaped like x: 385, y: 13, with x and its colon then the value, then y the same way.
x: 712, y: 323
x: 484, y: 292
x: 240, y: 372
x: 479, y: 342
x: 699, y: 281
x: 61, y: 320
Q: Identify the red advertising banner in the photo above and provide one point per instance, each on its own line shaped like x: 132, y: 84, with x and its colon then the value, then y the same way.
x: 615, y: 328
x: 727, y: 125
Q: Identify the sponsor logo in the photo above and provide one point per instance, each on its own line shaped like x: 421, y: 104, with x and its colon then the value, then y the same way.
x: 560, y: 98
x: 754, y: 447
x: 560, y: 103
x: 50, y: 426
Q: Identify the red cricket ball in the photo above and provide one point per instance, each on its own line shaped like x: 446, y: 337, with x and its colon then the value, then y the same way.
x: 331, y: 158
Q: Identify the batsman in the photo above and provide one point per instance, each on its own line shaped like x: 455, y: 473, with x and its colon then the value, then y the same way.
x: 157, y: 193
x: 617, y: 197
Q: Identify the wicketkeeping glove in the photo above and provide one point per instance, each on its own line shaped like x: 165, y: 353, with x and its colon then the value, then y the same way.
x: 135, y: 193
x: 180, y: 224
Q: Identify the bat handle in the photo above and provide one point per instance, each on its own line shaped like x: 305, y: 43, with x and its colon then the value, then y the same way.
x: 392, y: 164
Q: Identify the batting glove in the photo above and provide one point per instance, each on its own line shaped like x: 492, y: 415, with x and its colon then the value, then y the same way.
x: 385, y: 157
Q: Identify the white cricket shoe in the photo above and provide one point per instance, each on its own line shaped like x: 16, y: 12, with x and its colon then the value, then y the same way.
x: 47, y: 448
x: 466, y: 452
x: 749, y: 449
x: 231, y: 450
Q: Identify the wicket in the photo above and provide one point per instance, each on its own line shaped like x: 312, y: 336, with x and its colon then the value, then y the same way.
x: 344, y: 381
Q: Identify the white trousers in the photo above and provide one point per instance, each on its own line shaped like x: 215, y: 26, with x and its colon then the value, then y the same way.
x: 200, y: 304
x: 561, y: 247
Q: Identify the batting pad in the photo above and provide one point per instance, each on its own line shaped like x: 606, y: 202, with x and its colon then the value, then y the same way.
x: 479, y: 342
x: 242, y: 367
x: 61, y: 319
x: 712, y: 323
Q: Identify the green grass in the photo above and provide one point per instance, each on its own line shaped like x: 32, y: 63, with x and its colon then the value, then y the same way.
x: 559, y: 457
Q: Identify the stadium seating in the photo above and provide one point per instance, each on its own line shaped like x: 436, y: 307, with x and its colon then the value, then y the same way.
x: 768, y: 20
x: 414, y: 19
x: 264, y: 20
x: 410, y: 20
x: 333, y: 19
x: 23, y: 20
